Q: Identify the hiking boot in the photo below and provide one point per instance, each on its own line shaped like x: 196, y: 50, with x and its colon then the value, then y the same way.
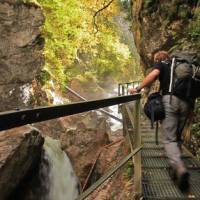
x: 172, y: 173
x: 183, y: 182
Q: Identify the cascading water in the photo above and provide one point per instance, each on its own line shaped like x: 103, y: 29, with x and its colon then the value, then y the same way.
x: 57, y: 173
x: 115, y: 125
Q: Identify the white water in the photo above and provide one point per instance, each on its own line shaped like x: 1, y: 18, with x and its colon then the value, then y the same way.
x: 115, y: 125
x: 25, y: 92
x: 57, y: 98
x: 62, y: 182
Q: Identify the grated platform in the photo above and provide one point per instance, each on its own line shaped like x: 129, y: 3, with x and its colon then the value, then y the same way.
x: 156, y: 182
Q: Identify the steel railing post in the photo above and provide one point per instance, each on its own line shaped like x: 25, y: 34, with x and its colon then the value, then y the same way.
x: 123, y: 90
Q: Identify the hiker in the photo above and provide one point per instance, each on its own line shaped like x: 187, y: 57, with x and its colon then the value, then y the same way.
x: 176, y: 112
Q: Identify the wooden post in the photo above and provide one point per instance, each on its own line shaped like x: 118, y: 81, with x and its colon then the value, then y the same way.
x: 137, y: 157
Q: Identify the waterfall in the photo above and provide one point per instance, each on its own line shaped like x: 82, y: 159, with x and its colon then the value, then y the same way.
x: 56, y: 167
x: 115, y: 125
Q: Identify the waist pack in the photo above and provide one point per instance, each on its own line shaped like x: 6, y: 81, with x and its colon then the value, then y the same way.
x: 185, y: 75
x: 154, y: 108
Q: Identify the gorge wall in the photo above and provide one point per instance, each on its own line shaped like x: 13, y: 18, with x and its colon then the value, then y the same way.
x: 161, y: 25
x: 21, y: 48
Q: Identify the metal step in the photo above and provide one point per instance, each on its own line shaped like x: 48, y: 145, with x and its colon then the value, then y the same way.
x: 156, y: 182
x: 158, y: 153
x: 160, y: 174
x: 153, y: 153
x: 144, y: 140
x: 149, y: 136
x: 168, y: 190
x: 162, y: 162
x: 152, y: 145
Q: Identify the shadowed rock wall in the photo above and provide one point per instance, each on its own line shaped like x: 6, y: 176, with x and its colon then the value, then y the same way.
x: 20, y: 151
x: 161, y: 24
x: 21, y: 48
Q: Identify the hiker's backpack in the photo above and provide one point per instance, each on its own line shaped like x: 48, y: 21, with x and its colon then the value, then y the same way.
x: 185, y: 75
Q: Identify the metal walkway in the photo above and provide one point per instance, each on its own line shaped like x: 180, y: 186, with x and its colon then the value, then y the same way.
x: 156, y: 183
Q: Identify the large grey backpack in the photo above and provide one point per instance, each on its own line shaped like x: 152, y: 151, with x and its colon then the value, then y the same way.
x: 185, y: 75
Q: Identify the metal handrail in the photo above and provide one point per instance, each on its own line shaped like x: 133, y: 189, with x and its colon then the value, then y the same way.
x: 11, y: 119
x: 131, y: 118
x: 123, y: 87
x: 108, y: 174
x: 135, y: 154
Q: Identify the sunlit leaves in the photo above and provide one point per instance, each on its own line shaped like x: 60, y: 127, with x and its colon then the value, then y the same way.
x: 73, y: 50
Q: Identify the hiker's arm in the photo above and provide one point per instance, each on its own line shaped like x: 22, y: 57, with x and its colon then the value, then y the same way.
x: 150, y: 78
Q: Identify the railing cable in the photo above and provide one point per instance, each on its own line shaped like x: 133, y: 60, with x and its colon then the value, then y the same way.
x: 84, y: 99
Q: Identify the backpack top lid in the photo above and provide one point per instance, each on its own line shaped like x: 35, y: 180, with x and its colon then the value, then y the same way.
x: 185, y: 75
x: 190, y: 57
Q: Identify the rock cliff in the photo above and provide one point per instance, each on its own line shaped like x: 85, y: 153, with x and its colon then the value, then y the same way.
x: 161, y: 25
x: 21, y: 47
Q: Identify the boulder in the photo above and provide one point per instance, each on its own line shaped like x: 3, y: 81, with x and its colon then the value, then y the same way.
x: 81, y: 137
x: 20, y: 151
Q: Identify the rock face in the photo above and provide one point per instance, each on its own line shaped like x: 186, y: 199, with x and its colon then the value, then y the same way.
x: 88, y: 89
x: 81, y: 136
x: 83, y: 142
x: 20, y: 151
x: 160, y: 25
x: 21, y: 47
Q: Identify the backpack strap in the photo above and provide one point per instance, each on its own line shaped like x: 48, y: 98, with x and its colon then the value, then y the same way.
x: 171, y: 78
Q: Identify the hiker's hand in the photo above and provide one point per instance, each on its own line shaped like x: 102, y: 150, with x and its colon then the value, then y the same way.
x: 132, y: 90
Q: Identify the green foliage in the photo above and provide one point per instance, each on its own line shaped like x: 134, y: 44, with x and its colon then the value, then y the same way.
x: 194, y: 28
x: 73, y: 50
x: 44, y: 77
x: 196, y: 124
x: 195, y: 145
x: 129, y: 170
x: 183, y: 12
x: 125, y: 4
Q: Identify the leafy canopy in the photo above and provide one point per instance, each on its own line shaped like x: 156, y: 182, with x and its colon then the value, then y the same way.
x: 78, y: 44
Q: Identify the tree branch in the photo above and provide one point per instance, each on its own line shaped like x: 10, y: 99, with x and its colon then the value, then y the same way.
x: 97, y: 12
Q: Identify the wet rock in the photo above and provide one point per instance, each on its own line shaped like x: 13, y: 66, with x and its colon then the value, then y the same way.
x: 83, y: 142
x: 81, y: 137
x: 20, y: 151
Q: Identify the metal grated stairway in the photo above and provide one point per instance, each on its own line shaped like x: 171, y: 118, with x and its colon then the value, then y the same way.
x: 156, y: 182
